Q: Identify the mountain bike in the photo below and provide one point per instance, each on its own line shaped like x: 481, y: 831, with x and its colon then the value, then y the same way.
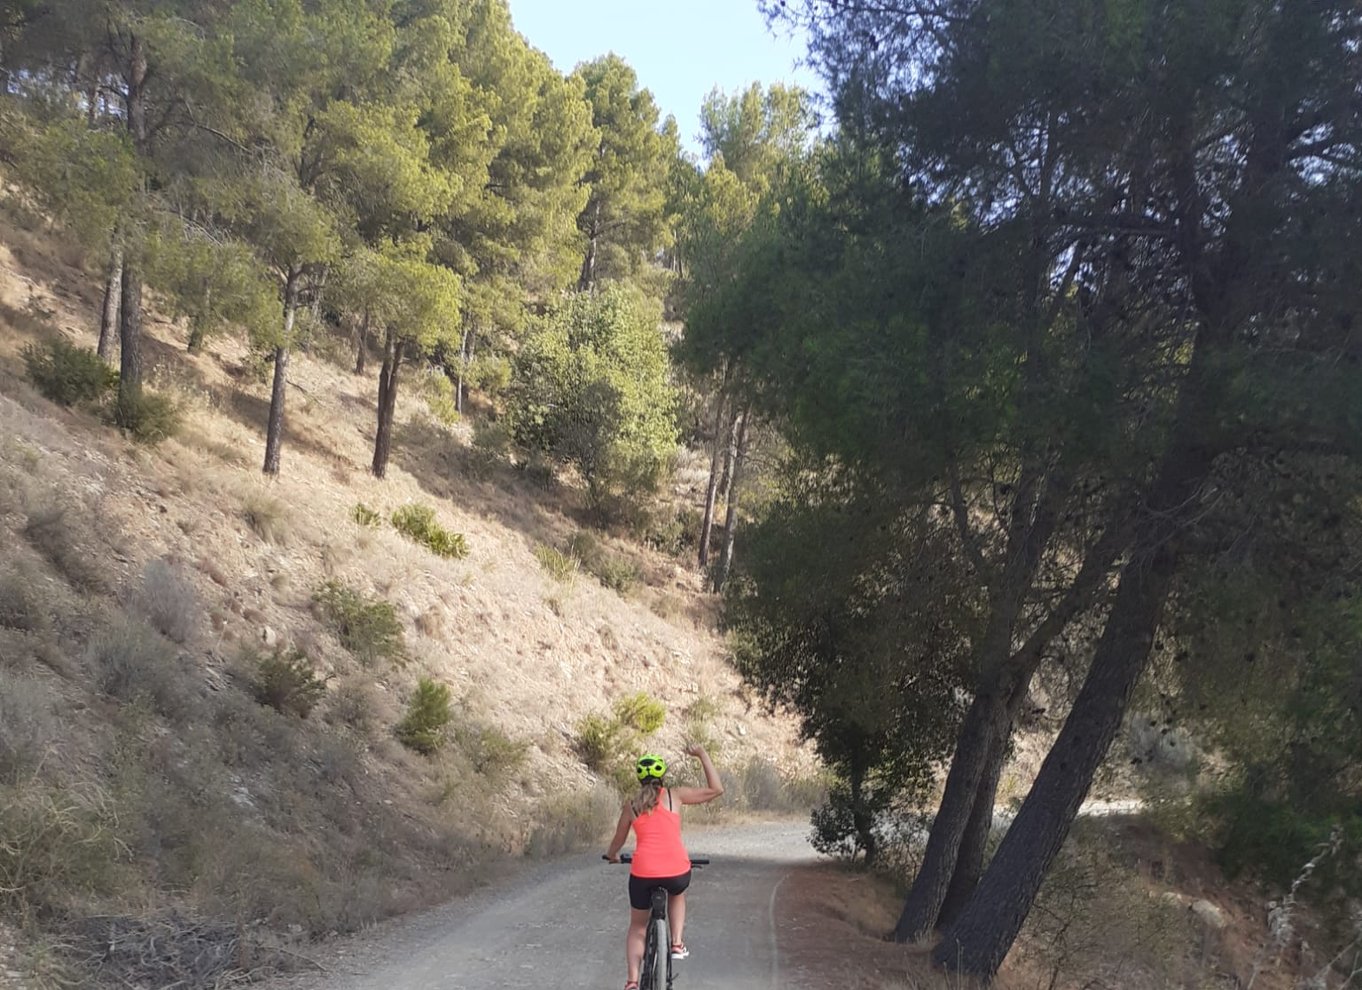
x: 656, y: 971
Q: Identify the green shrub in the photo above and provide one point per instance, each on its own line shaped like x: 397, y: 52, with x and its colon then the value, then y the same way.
x: 493, y: 753
x: 148, y: 417
x: 558, y: 565
x: 640, y: 711
x: 369, y: 629
x: 287, y: 682
x: 423, y: 727
x: 611, y: 570
x: 68, y: 374
x: 438, y: 391
x: 417, y: 523
x: 366, y: 516
x: 600, y: 743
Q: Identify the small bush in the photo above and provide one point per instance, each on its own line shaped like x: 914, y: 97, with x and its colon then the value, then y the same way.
x: 438, y: 391
x: 600, y: 742
x: 28, y: 726
x: 368, y: 629
x: 267, y: 517
x: 68, y: 374
x: 613, y: 571
x: 23, y: 605
x: 54, y: 531
x: 168, y: 601
x: 287, y: 682
x: 148, y: 417
x: 423, y: 727
x: 54, y: 844
x: 493, y: 753
x: 558, y: 565
x: 130, y: 661
x: 571, y: 821
x: 641, y: 712
x: 365, y: 516
x: 417, y: 523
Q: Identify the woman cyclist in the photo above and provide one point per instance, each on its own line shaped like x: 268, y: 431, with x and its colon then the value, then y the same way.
x: 660, y: 858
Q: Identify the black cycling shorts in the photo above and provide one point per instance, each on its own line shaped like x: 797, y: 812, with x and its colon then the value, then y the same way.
x: 641, y: 888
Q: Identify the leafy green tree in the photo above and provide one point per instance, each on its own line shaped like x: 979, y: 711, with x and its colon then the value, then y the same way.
x: 514, y: 238
x: 417, y: 304
x: 816, y: 618
x: 1088, y: 149
x: 591, y: 388
x: 624, y: 221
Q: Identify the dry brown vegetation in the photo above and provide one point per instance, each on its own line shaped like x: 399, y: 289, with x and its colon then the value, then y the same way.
x: 146, y: 792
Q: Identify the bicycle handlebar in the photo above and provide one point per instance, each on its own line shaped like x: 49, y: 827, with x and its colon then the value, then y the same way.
x: 629, y: 858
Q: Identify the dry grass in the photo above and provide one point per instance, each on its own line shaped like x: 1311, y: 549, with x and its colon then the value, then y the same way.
x: 130, y: 661
x: 267, y: 516
x: 168, y: 601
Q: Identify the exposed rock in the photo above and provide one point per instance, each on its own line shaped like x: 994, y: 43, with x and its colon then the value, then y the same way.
x: 1210, y: 915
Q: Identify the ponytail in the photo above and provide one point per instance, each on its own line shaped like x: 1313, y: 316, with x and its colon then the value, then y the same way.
x: 646, y: 799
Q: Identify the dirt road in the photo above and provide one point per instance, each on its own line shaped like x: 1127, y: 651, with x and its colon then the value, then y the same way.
x: 561, y: 925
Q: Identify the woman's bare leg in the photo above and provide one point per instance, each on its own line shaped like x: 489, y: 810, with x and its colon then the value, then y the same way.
x: 676, y: 907
x: 633, y: 942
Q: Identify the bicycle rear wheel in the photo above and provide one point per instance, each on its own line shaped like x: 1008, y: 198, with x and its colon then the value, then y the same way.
x: 657, y: 957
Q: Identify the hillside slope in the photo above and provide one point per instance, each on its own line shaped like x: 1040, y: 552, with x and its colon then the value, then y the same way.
x: 140, y: 587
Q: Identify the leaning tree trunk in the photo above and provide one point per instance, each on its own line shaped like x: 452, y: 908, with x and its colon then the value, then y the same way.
x: 464, y: 358
x: 711, y: 491
x: 108, y: 314
x: 986, y: 929
x: 980, y: 938
x: 362, y: 344
x: 387, y: 403
x: 969, y: 862
x: 1034, y: 518
x: 274, y: 432
x: 731, y: 517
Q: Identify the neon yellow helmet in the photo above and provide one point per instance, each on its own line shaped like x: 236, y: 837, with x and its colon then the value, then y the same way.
x: 650, y: 767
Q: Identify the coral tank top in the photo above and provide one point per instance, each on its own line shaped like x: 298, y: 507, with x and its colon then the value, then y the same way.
x: 658, y: 850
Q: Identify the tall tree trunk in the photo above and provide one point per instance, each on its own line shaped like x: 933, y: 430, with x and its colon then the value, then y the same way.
x: 274, y: 431
x: 130, y: 278
x: 588, y: 276
x: 861, y: 819
x: 980, y: 938
x: 362, y: 343
x: 198, y: 333
x: 969, y: 863
x: 463, y: 366
x: 711, y: 491
x: 136, y: 81
x: 108, y: 314
x: 387, y: 403
x: 730, y: 454
x: 731, y: 517
x: 1033, y: 520
x: 130, y: 337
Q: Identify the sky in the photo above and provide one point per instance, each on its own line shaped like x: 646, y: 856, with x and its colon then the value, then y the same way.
x: 681, y: 49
